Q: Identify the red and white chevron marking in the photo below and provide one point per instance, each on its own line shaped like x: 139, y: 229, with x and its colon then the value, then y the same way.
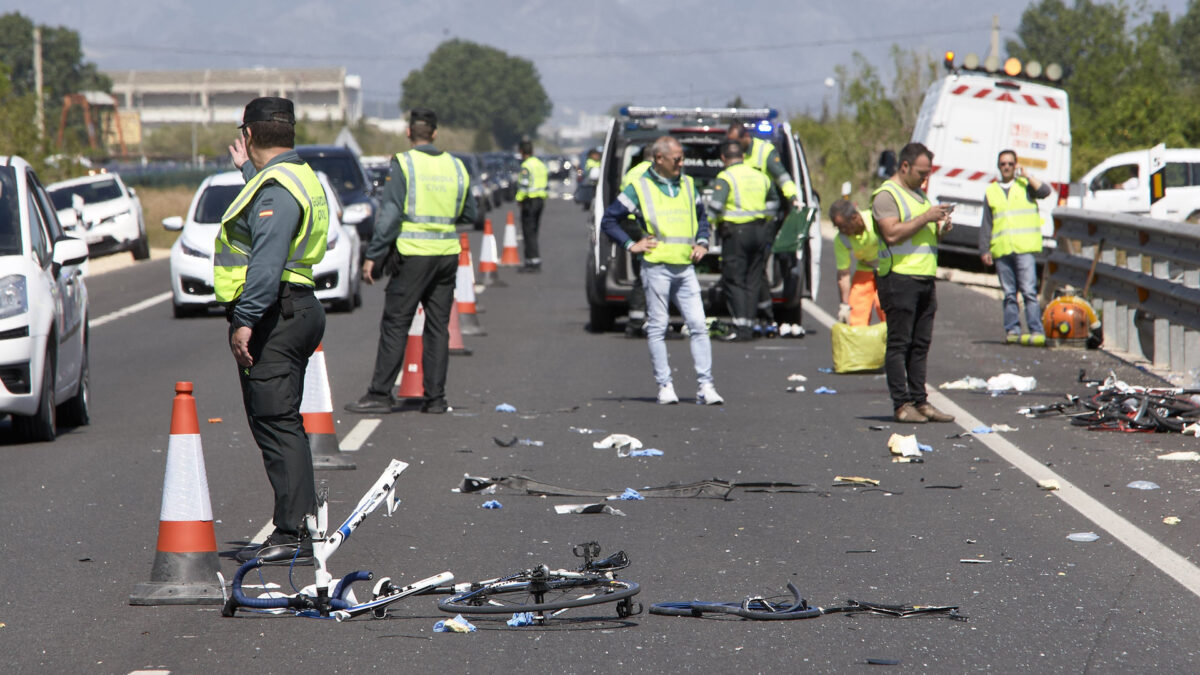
x: 962, y: 174
x: 999, y: 94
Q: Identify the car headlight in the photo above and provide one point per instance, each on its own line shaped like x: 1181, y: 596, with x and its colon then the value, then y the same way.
x: 14, y: 298
x: 356, y: 213
x: 195, y: 253
x: 113, y: 218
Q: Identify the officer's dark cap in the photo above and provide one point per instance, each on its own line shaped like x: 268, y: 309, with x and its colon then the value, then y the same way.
x: 423, y: 115
x: 269, y: 109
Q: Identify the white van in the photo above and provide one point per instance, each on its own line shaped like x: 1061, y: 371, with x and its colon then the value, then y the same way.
x: 1120, y: 184
x: 966, y: 119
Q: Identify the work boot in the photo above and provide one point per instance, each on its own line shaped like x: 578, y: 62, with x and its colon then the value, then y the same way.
x: 666, y: 394
x: 372, y: 404
x: 437, y: 406
x: 909, y: 413
x: 933, y: 414
x: 280, y: 549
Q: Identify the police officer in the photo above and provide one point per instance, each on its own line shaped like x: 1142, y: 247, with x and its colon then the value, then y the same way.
x: 532, y: 186
x: 271, y: 236
x: 424, y: 197
x: 739, y: 203
x: 909, y: 227
x: 1009, y: 236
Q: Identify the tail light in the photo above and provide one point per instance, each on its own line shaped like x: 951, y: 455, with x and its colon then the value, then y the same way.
x: 1063, y: 190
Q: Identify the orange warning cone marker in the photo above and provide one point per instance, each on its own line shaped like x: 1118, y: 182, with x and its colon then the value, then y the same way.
x: 489, y: 257
x: 316, y: 407
x: 464, y: 292
x: 185, y: 565
x: 411, y: 379
x: 457, y: 346
x: 510, y: 257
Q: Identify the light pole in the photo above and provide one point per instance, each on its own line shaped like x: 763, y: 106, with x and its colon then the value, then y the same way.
x: 832, y: 85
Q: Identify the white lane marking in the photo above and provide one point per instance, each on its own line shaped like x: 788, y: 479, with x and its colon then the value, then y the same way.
x: 132, y: 309
x: 149, y: 672
x: 1153, y: 551
x: 262, y: 534
x: 358, y: 435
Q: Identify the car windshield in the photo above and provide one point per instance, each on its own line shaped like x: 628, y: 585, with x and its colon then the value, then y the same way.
x: 343, y: 174
x: 10, y: 219
x: 701, y: 154
x: 92, y: 193
x: 213, y: 202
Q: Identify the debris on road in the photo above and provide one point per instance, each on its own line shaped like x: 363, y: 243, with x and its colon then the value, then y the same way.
x: 1182, y: 456
x: 215, y: 420
x: 563, y: 509
x: 629, y: 495
x: 905, y: 446
x: 824, y: 390
x: 491, y: 504
x: 1142, y: 485
x: 520, y: 619
x: 712, y: 489
x: 456, y: 625
x: 797, y: 377
x: 908, y: 460
x: 854, y: 480
x: 1048, y: 484
x: 648, y: 452
x: 1083, y: 536
x: 505, y: 408
x: 1172, y: 520
x: 503, y: 443
x: 798, y: 389
x: 975, y: 561
x: 585, y: 430
x: 1011, y: 381
x: 968, y: 383
x: 531, y: 442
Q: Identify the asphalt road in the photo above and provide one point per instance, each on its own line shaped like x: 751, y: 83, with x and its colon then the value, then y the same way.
x: 81, y: 514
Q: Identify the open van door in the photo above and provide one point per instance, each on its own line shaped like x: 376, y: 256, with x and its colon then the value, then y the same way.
x: 808, y: 255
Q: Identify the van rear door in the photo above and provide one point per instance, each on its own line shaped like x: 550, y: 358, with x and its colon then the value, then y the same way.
x: 808, y: 257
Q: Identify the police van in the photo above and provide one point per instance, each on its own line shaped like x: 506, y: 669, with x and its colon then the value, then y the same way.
x: 967, y: 118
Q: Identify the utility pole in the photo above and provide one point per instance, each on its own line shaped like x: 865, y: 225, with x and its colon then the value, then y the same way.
x: 994, y: 52
x: 37, y: 82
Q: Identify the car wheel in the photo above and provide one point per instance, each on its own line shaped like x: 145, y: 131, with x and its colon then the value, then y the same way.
x: 43, y: 424
x: 76, y: 411
x: 601, y: 318
x: 358, y: 294
x: 141, y: 248
x: 345, y: 305
x: 182, y: 311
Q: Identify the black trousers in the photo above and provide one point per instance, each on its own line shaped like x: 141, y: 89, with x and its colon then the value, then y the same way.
x: 531, y: 220
x: 744, y: 251
x: 428, y: 280
x: 271, y: 392
x: 910, y: 304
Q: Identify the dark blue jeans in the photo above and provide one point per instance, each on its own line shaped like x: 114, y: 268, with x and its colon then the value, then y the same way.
x: 1018, y: 274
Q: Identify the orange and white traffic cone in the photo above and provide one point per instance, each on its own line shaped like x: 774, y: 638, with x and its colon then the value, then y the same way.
x: 510, y: 257
x: 185, y: 565
x: 457, y: 346
x: 464, y: 293
x: 488, y: 257
x: 316, y: 407
x: 411, y: 380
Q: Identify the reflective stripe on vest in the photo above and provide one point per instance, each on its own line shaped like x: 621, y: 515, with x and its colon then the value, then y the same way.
x: 436, y: 188
x: 747, y: 199
x: 533, y: 187
x: 231, y: 254
x: 760, y: 154
x: 672, y: 220
x: 917, y: 255
x: 1016, y: 224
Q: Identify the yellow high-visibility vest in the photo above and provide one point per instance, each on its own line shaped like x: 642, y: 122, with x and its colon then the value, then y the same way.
x: 672, y: 220
x: 538, y: 180
x: 747, y: 198
x: 436, y: 189
x: 1016, y: 224
x: 917, y: 255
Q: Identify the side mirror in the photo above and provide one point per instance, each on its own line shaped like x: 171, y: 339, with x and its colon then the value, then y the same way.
x: 132, y: 192
x: 70, y: 251
x: 173, y: 223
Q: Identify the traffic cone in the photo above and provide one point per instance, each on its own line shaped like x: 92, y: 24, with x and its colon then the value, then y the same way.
x: 488, y: 257
x: 185, y: 565
x: 316, y: 407
x: 457, y: 346
x: 510, y: 257
x: 464, y: 293
x: 411, y: 380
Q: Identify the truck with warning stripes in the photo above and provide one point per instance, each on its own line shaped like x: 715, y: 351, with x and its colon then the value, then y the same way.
x: 966, y: 119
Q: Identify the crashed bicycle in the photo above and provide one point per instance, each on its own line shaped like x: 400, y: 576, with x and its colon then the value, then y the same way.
x: 758, y: 608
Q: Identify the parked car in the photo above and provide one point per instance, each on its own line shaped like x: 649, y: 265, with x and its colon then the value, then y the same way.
x: 100, y: 209
x: 610, y: 277
x: 560, y: 176
x: 480, y: 191
x: 348, y: 177
x: 1121, y: 184
x: 336, y: 276
x: 377, y: 168
x: 43, y: 310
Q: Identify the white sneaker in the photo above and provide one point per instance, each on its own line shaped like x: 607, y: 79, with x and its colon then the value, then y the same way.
x: 708, y: 395
x: 666, y: 394
x: 785, y: 330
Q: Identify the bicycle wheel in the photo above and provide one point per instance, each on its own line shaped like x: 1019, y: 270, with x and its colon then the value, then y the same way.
x: 543, y: 595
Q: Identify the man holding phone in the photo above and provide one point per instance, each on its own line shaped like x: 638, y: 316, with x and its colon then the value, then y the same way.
x: 1009, y: 237
x: 909, y: 227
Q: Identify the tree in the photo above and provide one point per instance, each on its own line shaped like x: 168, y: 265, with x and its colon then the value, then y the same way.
x: 18, y: 134
x: 479, y: 87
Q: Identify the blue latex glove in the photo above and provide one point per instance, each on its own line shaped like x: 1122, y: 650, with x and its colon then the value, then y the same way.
x: 648, y: 452
x: 824, y: 390
x: 504, y: 407
x: 456, y: 625
x: 629, y: 495
x: 981, y: 430
x: 492, y: 504
x: 521, y: 619
x: 924, y: 448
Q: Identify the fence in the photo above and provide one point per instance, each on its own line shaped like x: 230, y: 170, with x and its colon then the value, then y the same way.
x: 1146, y: 283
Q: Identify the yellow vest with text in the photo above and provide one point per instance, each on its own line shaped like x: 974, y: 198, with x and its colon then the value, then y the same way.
x: 436, y: 189
x: 917, y: 255
x: 231, y: 255
x: 862, y: 248
x: 760, y: 154
x: 538, y: 180
x: 747, y: 198
x: 1016, y: 225
x: 672, y: 220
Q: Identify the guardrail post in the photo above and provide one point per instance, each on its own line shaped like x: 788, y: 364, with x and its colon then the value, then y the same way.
x: 1190, y: 338
x: 1115, y: 322
x: 1133, y: 336
x: 1164, y: 353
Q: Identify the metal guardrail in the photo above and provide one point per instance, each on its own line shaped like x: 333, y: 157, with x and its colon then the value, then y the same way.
x: 1146, y: 284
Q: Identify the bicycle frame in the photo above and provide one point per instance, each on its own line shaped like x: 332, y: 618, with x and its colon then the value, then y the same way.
x: 321, y: 602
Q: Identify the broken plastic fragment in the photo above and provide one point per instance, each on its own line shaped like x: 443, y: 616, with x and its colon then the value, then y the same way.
x: 965, y: 383
x: 1171, y: 520
x: 1048, y: 484
x: 974, y: 561
x: 905, y: 446
x: 981, y: 430
x: 924, y: 448
x: 563, y: 509
x: 1183, y: 456
x: 797, y: 377
x: 648, y: 452
x: 505, y: 408
x: 628, y: 495
x: 622, y: 442
x: 908, y: 460
x: 1007, y: 381
x: 491, y: 504
x: 824, y: 390
x: 1002, y: 427
x: 798, y: 389
x: 521, y: 619
x: 530, y: 441
x: 504, y: 443
x: 1142, y: 485
x: 456, y: 625
x: 1083, y: 536
x: 855, y: 480
x: 1193, y: 429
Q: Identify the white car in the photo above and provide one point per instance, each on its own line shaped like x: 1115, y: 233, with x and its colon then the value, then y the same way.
x: 100, y: 209
x: 43, y: 311
x: 336, y: 276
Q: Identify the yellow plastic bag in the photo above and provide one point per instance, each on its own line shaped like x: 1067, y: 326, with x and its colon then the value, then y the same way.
x: 858, y: 348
